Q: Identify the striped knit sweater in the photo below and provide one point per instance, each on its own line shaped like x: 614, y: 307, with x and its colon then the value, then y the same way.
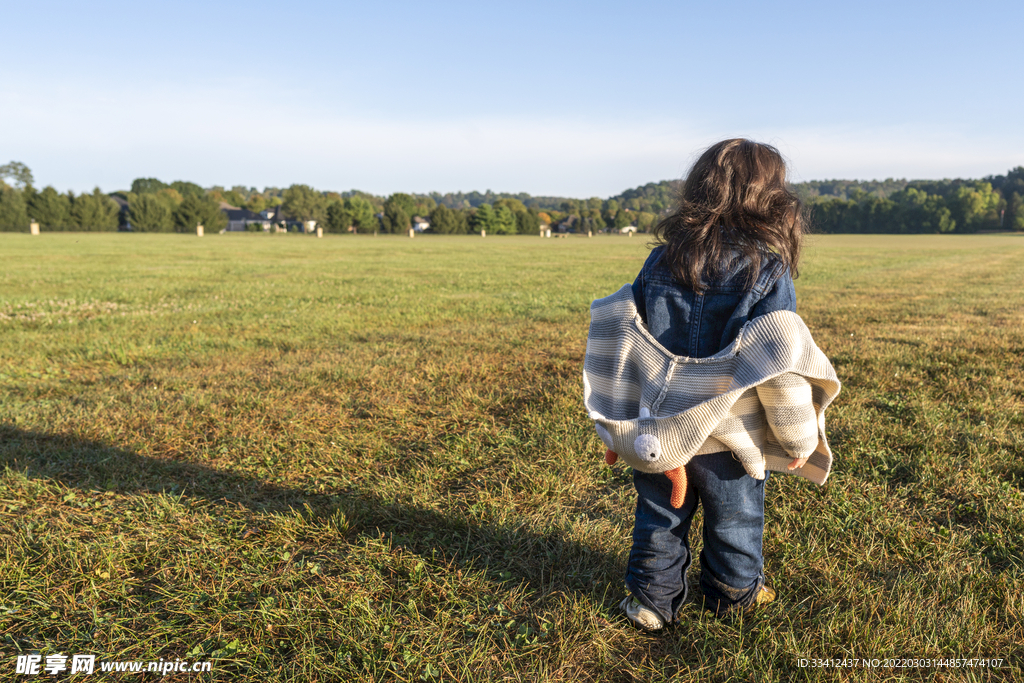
x: 763, y: 397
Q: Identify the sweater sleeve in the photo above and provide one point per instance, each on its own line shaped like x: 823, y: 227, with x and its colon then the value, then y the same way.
x: 789, y: 409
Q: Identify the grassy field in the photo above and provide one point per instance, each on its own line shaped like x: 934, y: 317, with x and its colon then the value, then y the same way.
x: 366, y: 459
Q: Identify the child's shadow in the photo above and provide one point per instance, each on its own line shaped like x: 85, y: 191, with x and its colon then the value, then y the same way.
x: 509, y: 552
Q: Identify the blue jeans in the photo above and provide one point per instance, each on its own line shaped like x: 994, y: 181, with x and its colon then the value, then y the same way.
x: 732, y: 568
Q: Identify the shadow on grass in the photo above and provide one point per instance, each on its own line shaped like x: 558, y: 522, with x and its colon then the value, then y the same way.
x: 546, y: 561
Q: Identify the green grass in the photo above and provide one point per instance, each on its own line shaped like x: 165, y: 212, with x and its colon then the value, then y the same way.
x: 366, y: 459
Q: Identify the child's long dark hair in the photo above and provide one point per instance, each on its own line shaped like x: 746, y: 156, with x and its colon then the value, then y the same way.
x: 735, y: 194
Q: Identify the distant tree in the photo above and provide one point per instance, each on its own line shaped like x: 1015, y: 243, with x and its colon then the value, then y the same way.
x: 423, y: 207
x: 938, y: 217
x: 974, y: 206
x: 13, y: 215
x: 255, y: 203
x: 338, y: 218
x: 394, y: 220
x: 544, y: 218
x: 610, y: 211
x: 505, y: 221
x: 303, y: 203
x: 463, y: 217
x: 147, y: 213
x: 362, y: 212
x: 170, y: 197
x: 94, y: 212
x: 645, y: 220
x: 398, y: 211
x: 405, y: 202
x: 1013, y: 218
x: 443, y: 220
x: 376, y: 203
x: 49, y: 208
x: 234, y: 198
x: 592, y: 220
x: 514, y: 205
x: 198, y: 210
x: 483, y: 219
x: 525, y: 219
x: 528, y: 222
x: 571, y: 206
x: 1014, y: 182
x: 185, y: 188
x: 650, y: 198
x: 147, y: 185
x: 942, y: 188
x: 830, y: 215
x: 557, y: 217
x: 910, y: 211
x: 842, y: 189
x: 18, y: 172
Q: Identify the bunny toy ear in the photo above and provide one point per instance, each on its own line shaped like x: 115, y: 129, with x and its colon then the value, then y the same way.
x: 679, y: 484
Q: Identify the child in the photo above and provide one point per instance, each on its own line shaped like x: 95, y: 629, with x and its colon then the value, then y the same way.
x: 702, y: 377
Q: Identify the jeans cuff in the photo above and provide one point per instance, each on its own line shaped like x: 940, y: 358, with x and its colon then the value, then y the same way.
x: 641, y: 596
x: 724, y: 600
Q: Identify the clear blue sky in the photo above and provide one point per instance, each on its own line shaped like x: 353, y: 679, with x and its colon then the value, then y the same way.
x: 562, y: 98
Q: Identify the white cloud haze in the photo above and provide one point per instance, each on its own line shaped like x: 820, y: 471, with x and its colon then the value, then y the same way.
x: 214, y: 136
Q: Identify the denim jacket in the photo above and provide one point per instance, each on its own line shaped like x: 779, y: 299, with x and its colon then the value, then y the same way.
x: 701, y: 325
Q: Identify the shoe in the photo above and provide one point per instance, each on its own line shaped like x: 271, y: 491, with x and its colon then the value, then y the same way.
x: 765, y: 596
x: 641, y: 615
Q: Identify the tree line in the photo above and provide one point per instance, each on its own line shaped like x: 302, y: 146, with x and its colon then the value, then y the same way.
x: 454, y: 214
x: 834, y: 206
x: 918, y: 206
x: 154, y: 206
x: 888, y: 206
x: 49, y: 208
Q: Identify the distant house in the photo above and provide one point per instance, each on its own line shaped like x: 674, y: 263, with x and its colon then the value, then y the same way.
x: 569, y: 224
x: 628, y: 229
x: 271, y: 218
x: 420, y: 224
x: 270, y: 212
x: 239, y: 219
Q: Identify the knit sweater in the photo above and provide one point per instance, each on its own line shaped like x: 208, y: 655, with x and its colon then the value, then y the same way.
x: 763, y: 397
